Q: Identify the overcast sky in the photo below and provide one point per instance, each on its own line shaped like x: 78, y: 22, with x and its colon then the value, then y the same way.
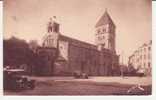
x: 27, y: 19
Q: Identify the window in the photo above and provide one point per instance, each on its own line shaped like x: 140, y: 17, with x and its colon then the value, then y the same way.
x: 48, y: 58
x: 137, y: 60
x: 149, y: 64
x: 99, y: 38
x: 104, y: 64
x: 144, y: 65
x: 149, y: 56
x: 104, y: 30
x: 103, y: 45
x: 145, y: 49
x: 149, y: 48
x: 144, y: 56
x: 61, y: 47
x: 98, y: 31
x: 141, y: 57
x: 95, y: 63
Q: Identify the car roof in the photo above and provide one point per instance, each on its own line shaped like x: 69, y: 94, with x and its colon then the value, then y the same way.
x: 14, y: 70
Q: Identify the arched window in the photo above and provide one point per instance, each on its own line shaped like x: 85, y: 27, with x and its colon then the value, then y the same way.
x: 103, y: 45
x: 98, y: 31
x: 104, y: 30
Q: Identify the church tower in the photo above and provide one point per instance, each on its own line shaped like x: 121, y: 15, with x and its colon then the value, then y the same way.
x: 105, y: 33
x: 51, y: 38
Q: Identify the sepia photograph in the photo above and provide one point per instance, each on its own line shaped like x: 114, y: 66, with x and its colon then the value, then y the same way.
x: 77, y: 47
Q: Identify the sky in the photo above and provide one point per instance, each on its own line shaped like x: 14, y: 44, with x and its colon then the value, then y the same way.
x: 27, y: 19
x: 0, y: 17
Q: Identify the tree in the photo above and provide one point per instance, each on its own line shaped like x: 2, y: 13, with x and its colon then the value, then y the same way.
x: 17, y: 52
x: 33, y: 45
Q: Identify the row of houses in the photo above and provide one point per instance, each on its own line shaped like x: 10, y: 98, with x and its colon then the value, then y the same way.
x: 141, y: 59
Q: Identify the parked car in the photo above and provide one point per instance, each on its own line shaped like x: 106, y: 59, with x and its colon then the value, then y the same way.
x: 14, y: 80
x: 140, y: 74
x: 80, y: 75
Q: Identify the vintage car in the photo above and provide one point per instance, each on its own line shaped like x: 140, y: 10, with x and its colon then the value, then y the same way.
x: 14, y: 80
x: 80, y: 75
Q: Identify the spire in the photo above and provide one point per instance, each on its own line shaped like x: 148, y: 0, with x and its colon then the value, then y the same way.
x: 105, y: 19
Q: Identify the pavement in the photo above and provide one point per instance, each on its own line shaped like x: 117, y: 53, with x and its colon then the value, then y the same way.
x: 121, y: 80
x: 91, y: 86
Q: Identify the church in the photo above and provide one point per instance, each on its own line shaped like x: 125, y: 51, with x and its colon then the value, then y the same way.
x: 64, y: 55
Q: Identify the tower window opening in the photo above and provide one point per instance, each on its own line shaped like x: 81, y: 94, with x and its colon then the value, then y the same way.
x: 149, y: 48
x: 98, y: 31
x: 145, y: 49
x: 104, y: 30
x: 103, y: 45
x: 149, y: 64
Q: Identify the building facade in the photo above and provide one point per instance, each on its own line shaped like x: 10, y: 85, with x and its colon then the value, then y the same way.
x: 70, y: 55
x: 141, y: 59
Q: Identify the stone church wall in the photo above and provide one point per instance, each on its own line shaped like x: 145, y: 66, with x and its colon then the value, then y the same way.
x: 88, y: 60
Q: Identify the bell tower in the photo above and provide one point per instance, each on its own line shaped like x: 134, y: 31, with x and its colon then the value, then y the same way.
x: 105, y: 33
x: 52, y: 26
x: 51, y: 37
